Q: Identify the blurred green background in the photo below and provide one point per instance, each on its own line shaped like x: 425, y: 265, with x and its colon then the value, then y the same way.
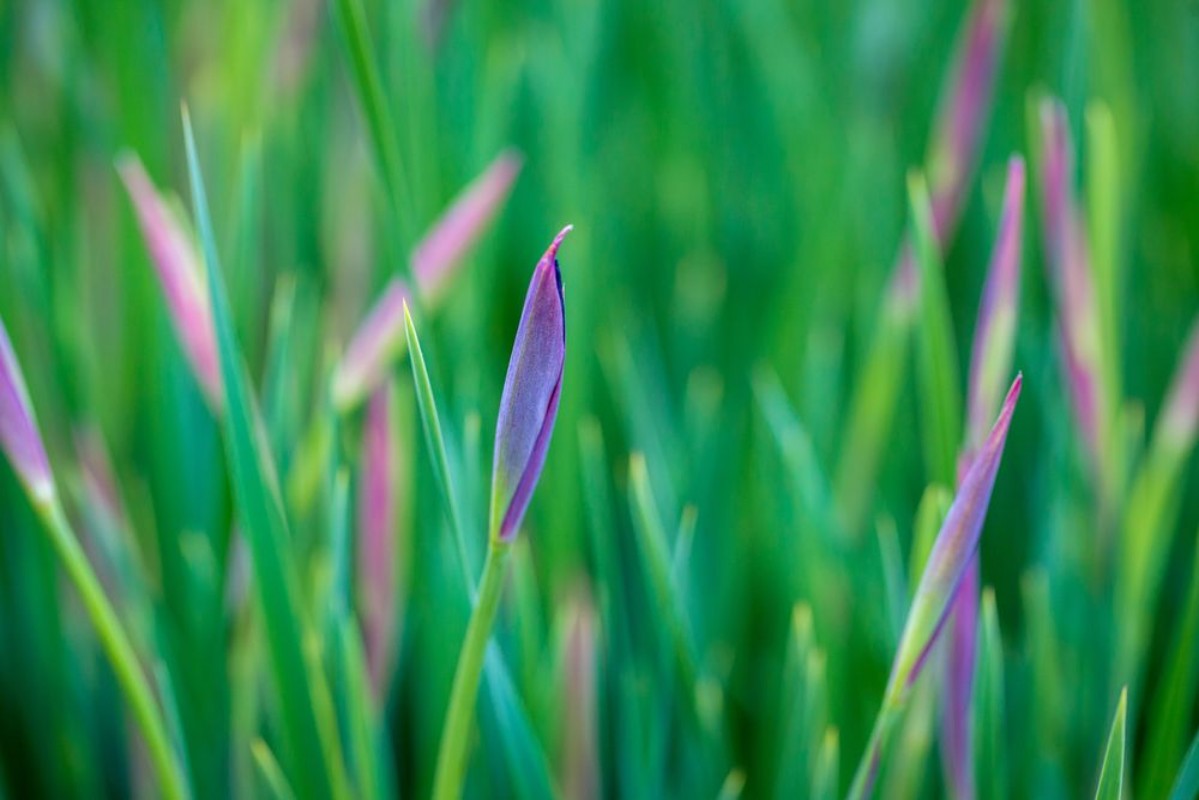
x: 735, y: 172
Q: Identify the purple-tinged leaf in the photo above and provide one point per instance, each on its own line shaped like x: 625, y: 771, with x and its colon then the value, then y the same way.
x: 19, y: 436
x: 435, y: 261
x: 957, y: 718
x: 176, y: 263
x: 990, y: 361
x: 955, y: 546
x: 377, y: 512
x: 1070, y: 274
x: 995, y: 333
x: 529, y: 403
x: 960, y: 123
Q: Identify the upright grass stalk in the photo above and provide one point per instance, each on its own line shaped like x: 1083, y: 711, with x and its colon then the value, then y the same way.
x: 22, y: 442
x: 528, y: 410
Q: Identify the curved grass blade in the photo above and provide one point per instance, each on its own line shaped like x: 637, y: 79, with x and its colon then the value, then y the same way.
x: 989, y: 702
x: 351, y: 18
x: 273, y: 782
x: 257, y: 490
x: 941, y: 398
x: 435, y: 442
x: 1173, y: 701
x: 1111, y: 777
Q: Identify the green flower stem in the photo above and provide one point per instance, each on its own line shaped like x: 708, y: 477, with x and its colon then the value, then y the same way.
x: 119, y: 650
x: 451, y: 760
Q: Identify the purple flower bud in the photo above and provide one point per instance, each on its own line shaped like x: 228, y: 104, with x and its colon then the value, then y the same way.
x: 377, y: 512
x: 1179, y: 419
x: 19, y: 437
x: 529, y: 404
x: 177, y: 265
x: 961, y: 120
x: 434, y: 262
x: 1070, y: 274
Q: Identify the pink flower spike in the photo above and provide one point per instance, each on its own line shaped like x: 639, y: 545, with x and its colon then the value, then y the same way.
x: 177, y: 265
x: 377, y: 511
x: 960, y: 123
x: 1179, y: 418
x: 434, y: 261
x: 1070, y: 274
x: 19, y: 437
x: 378, y: 339
x: 436, y: 256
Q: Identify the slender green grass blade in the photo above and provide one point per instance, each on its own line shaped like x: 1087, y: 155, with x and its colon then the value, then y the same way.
x: 941, y: 398
x: 989, y: 702
x: 827, y: 776
x: 261, y: 509
x: 655, y: 554
x: 1186, y: 786
x: 351, y: 19
x: 1111, y: 777
x: 272, y: 782
x: 871, y: 412
x: 1174, y: 698
x: 435, y: 442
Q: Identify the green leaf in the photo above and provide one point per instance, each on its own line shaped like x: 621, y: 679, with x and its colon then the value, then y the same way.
x: 1186, y: 786
x: 941, y: 398
x: 989, y: 702
x: 435, y: 443
x: 1111, y: 777
x: 1174, y: 698
x: 871, y: 412
x: 261, y: 508
x: 825, y: 778
x: 351, y: 19
x: 270, y: 775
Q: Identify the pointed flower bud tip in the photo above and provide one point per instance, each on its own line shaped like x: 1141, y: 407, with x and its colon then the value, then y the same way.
x: 19, y: 437
x: 529, y: 403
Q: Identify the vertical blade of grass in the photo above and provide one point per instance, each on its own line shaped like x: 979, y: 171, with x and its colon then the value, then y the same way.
x: 351, y: 19
x: 869, y: 423
x: 1174, y: 698
x: 1111, y: 777
x: 261, y: 508
x: 941, y: 399
x: 989, y: 702
x: 435, y: 442
x: 826, y: 777
x: 1186, y: 786
x: 273, y: 783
